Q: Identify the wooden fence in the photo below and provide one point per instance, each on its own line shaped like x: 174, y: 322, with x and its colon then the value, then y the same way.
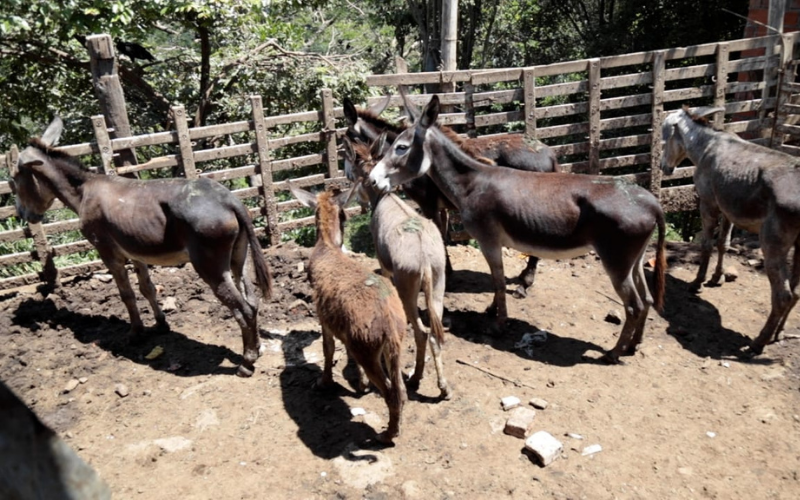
x: 600, y: 115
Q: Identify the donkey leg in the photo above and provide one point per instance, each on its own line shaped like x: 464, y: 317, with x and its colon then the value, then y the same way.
x: 782, y: 296
x: 435, y: 312
x: 149, y: 292
x: 793, y: 283
x: 494, y: 257
x: 408, y: 287
x: 328, y: 347
x: 723, y: 243
x: 117, y: 268
x: 710, y: 219
x: 392, y: 389
x: 526, y: 277
x: 621, y: 275
x: 224, y: 288
x: 647, y: 299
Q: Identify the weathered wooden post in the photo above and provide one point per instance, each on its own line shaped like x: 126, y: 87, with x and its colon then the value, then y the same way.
x: 109, y: 93
x: 594, y: 116
x: 329, y: 133
x: 264, y: 170
x: 656, y: 150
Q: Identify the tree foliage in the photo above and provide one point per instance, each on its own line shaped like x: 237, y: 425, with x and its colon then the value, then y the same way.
x: 212, y: 54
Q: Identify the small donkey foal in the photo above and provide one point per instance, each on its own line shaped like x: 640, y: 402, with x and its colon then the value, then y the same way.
x: 356, y: 306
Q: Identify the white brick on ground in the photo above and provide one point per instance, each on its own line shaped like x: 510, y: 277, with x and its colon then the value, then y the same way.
x: 520, y: 421
x: 544, y: 446
x: 509, y: 402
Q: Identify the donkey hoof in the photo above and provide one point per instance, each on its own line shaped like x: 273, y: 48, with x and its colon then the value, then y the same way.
x: 520, y: 292
x: 694, y: 287
x: 611, y: 358
x: 386, y: 437
x: 244, y: 371
x: 445, y: 393
x: 752, y: 350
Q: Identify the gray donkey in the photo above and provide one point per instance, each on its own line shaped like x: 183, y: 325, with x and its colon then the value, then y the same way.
x: 749, y: 185
x: 411, y: 251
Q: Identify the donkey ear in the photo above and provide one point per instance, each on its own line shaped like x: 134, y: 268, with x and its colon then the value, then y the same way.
x: 53, y: 132
x: 411, y: 109
x: 430, y: 113
x: 381, y: 106
x: 378, y: 147
x: 706, y: 111
x: 350, y: 112
x: 343, y: 198
x: 306, y: 198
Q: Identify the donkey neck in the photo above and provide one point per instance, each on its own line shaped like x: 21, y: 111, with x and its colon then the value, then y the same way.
x: 66, y: 181
x: 453, y: 171
x: 696, y: 139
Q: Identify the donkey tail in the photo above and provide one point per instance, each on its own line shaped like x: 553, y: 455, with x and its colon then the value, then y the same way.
x: 661, y: 264
x: 263, y: 273
x: 436, y: 322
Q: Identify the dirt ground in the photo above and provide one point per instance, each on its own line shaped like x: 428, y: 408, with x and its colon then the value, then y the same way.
x: 683, y: 418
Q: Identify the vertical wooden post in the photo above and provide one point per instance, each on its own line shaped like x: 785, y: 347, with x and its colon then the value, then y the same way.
x: 469, y: 108
x: 109, y: 93
x: 329, y: 133
x: 785, y: 75
x: 449, y: 39
x: 103, y: 145
x: 656, y: 148
x: 529, y: 83
x: 721, y: 84
x: 35, y: 230
x: 264, y: 170
x: 594, y: 116
x: 401, y: 67
x: 184, y: 142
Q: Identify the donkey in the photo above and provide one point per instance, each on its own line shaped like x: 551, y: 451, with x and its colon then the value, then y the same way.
x: 508, y: 150
x: 751, y: 186
x: 410, y: 251
x: 356, y: 306
x: 157, y: 222
x: 555, y: 215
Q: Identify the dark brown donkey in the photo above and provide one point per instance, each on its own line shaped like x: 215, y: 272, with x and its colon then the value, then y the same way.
x: 159, y: 222
x: 554, y: 216
x: 507, y: 150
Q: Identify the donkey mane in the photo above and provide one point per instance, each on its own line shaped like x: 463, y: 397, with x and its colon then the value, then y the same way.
x: 51, y: 151
x: 373, y: 119
x: 326, y: 212
x: 76, y: 172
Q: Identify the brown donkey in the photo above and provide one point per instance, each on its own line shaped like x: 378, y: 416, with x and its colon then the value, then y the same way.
x: 356, y: 306
x: 552, y: 215
x: 158, y: 222
x: 410, y: 250
x: 506, y: 150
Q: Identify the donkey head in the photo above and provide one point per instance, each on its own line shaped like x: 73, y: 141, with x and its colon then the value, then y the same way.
x: 365, y: 125
x: 34, y: 195
x: 329, y: 212
x: 408, y: 157
x: 676, y: 134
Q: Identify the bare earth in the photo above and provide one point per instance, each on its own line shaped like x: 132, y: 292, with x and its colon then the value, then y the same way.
x: 683, y: 418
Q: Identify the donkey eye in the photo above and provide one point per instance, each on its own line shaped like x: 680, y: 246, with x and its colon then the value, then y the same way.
x: 401, y: 149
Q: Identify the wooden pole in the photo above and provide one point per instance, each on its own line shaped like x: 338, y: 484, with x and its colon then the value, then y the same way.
x: 594, y: 116
x: 656, y: 148
x: 109, y: 93
x: 449, y: 41
x: 329, y: 133
x: 264, y: 171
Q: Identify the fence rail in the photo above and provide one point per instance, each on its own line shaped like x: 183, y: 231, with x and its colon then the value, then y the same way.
x: 599, y: 115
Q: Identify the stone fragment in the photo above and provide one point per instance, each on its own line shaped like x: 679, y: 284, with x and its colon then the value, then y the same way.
x: 121, y: 390
x: 613, y: 317
x: 71, y: 385
x: 591, y: 449
x: 520, y: 422
x: 169, y: 304
x: 509, y: 402
x: 731, y: 273
x: 544, y: 446
x: 538, y: 403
